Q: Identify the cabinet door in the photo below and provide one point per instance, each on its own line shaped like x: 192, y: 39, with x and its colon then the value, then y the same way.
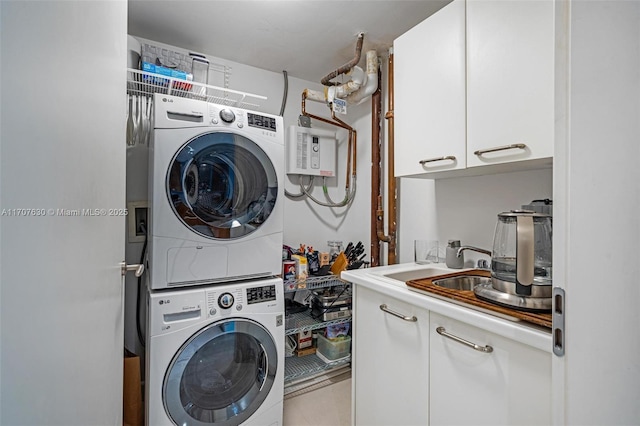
x: 510, y: 385
x: 429, y: 110
x: 510, y: 75
x: 390, y: 364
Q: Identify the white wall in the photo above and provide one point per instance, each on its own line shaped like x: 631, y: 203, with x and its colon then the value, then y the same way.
x: 464, y: 208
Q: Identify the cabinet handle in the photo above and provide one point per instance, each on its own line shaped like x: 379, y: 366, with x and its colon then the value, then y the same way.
x: 486, y: 349
x: 431, y: 160
x: 384, y: 308
x: 500, y: 148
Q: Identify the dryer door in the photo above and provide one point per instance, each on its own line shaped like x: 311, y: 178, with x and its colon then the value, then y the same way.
x: 221, y: 375
x: 222, y: 185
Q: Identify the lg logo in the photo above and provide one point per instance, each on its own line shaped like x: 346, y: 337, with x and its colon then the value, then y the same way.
x: 162, y: 302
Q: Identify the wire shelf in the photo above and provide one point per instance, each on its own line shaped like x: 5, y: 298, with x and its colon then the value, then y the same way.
x: 308, y: 366
x: 145, y: 83
x: 302, y: 321
x: 312, y: 283
x: 301, y: 371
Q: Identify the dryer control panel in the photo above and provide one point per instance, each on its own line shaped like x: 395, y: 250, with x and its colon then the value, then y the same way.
x: 265, y: 293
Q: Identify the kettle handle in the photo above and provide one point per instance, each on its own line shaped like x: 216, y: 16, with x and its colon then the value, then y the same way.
x: 524, y: 250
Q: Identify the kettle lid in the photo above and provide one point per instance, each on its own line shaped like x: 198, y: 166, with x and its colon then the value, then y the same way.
x: 516, y: 213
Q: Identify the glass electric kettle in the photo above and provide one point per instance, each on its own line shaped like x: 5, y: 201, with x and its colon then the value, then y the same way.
x: 521, y: 261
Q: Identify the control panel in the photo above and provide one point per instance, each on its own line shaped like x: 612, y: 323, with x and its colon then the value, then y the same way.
x: 261, y: 122
x: 265, y: 293
x: 226, y: 116
x: 311, y: 151
x: 221, y: 301
x: 225, y: 301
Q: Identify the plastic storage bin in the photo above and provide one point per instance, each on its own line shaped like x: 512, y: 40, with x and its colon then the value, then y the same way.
x: 333, y: 350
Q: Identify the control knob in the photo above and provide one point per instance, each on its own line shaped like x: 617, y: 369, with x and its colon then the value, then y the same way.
x: 225, y: 301
x: 227, y: 115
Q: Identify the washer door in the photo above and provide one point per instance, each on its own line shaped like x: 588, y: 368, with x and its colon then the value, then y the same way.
x: 222, y: 185
x: 221, y: 375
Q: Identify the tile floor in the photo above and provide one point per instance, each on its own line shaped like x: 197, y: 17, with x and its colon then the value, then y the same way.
x: 328, y: 405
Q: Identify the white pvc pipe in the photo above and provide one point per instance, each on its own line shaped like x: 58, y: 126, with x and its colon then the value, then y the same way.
x: 371, y: 83
x: 316, y: 95
x: 359, y: 87
x: 358, y: 78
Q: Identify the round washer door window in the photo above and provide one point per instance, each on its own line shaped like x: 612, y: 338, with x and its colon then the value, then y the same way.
x: 222, y: 185
x: 221, y: 375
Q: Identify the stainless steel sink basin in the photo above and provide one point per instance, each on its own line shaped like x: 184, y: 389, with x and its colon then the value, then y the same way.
x: 416, y: 274
x: 461, y: 282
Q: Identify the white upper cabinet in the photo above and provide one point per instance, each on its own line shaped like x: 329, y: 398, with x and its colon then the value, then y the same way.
x: 510, y: 75
x: 474, y: 86
x: 429, y: 110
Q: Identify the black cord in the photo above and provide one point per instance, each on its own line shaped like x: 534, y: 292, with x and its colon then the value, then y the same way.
x: 141, y: 338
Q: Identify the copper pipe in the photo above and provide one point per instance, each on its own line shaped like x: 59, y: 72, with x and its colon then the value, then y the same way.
x: 346, y: 67
x: 391, y: 195
x: 350, y: 157
x: 391, y: 184
x: 316, y: 117
x: 376, y: 112
x: 380, y: 235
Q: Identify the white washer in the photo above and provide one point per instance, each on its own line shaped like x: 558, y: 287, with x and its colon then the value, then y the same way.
x: 215, y: 355
x: 216, y: 193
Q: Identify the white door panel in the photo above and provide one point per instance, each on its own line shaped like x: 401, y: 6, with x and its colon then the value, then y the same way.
x: 63, y: 150
x: 597, y: 152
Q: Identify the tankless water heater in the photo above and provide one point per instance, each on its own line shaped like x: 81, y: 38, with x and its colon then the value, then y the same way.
x: 311, y: 151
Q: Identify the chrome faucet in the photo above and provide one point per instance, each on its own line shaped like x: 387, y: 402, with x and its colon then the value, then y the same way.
x: 479, y: 250
x: 482, y: 263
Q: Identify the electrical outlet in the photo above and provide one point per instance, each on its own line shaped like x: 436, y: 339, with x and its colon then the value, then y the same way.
x: 138, y: 221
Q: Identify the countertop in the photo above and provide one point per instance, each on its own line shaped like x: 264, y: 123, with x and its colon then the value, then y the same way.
x: 378, y: 279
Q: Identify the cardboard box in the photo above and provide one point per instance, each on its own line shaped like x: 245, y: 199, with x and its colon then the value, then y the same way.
x: 132, y: 406
x: 324, y: 259
x: 305, y: 351
x: 305, y: 339
x: 302, y: 271
x: 288, y: 270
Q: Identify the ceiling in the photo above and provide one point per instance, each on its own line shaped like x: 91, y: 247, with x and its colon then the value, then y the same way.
x: 308, y: 39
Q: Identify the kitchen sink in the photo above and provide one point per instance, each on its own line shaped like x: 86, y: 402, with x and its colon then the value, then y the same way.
x: 416, y: 274
x: 461, y: 282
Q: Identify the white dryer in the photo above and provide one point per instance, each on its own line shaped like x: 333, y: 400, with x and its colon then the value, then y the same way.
x: 216, y: 193
x: 215, y: 355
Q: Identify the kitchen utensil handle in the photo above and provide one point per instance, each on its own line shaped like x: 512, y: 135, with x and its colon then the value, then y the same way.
x: 486, y: 349
x: 481, y: 152
x: 384, y: 308
x: 431, y: 160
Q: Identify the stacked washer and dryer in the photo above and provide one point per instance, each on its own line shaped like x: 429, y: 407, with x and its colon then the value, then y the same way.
x: 215, y: 329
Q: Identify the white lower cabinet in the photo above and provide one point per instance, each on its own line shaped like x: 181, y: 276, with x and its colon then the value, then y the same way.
x: 511, y: 385
x: 390, y: 364
x: 412, y: 366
